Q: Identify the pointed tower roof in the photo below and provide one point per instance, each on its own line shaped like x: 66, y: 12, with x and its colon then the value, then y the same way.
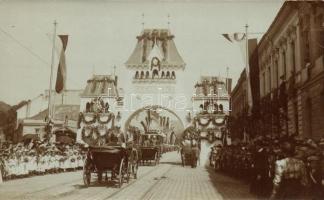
x: 155, y: 42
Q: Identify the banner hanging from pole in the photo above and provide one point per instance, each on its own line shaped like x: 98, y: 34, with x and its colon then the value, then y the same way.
x: 241, y: 39
x: 61, y: 70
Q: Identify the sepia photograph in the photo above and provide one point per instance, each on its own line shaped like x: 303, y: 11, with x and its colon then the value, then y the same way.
x: 161, y: 100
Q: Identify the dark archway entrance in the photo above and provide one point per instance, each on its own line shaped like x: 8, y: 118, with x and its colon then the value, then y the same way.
x: 156, y: 118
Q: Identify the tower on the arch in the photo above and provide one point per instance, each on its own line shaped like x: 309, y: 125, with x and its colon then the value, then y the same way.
x: 155, y: 57
x: 155, y: 69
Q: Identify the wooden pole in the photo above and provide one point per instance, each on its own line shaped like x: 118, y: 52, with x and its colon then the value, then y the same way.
x: 51, y: 75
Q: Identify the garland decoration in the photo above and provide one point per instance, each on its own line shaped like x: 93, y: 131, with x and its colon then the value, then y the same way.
x: 110, y: 116
x: 203, y: 124
x: 218, y: 123
x: 206, y: 121
x: 83, y: 135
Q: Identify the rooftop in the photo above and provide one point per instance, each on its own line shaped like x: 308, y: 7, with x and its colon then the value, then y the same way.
x: 71, y: 111
x: 101, y: 85
x: 162, y: 40
x: 212, y: 86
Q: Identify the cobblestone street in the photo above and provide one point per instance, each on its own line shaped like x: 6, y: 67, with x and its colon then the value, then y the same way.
x: 168, y: 180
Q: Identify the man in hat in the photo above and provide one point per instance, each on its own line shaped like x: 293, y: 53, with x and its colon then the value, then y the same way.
x: 290, y: 177
x: 260, y: 168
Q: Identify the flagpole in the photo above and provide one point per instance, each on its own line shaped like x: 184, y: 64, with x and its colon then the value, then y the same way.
x: 51, y: 75
x: 247, y: 70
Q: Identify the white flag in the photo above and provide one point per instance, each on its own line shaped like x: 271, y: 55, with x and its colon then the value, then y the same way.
x: 240, y: 39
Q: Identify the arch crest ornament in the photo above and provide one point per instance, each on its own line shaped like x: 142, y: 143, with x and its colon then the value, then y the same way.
x: 158, y: 109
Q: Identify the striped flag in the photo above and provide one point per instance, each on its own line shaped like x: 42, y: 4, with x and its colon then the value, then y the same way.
x: 238, y: 37
x: 61, y: 70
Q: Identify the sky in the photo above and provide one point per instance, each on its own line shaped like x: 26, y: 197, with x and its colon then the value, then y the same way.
x: 102, y: 34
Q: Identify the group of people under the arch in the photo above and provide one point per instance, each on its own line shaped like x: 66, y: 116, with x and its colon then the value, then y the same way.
x: 155, y: 74
x: 97, y: 105
x: 216, y: 108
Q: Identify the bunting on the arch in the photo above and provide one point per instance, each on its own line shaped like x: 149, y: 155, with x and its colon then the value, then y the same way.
x: 238, y: 37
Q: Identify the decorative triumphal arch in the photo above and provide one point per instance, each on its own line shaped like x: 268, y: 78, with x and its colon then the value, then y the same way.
x: 155, y: 73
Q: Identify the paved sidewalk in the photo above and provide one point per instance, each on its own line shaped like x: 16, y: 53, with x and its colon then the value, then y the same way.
x: 230, y: 188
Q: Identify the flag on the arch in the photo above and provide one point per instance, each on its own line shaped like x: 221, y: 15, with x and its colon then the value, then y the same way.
x: 61, y: 70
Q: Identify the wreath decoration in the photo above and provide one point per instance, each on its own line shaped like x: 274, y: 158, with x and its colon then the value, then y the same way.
x: 93, y: 120
x: 157, y: 64
x: 101, y: 130
x: 83, y: 135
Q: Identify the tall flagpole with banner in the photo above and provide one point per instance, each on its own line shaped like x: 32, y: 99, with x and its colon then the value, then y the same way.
x: 60, y: 77
x: 240, y: 38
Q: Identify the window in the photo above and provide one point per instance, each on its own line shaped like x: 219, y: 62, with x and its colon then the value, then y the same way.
x: 309, y: 116
x: 269, y: 71
x: 263, y: 84
x: 284, y: 65
x: 305, y: 38
x: 320, y: 35
x: 293, y: 57
x: 276, y: 74
x: 296, y: 117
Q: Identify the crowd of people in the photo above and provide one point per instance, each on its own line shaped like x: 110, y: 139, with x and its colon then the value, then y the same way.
x: 287, y: 167
x: 39, y: 158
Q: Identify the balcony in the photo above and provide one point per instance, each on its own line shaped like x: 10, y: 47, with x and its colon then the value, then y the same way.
x: 154, y: 80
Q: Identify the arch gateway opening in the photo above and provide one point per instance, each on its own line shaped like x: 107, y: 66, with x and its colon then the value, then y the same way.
x: 158, y: 119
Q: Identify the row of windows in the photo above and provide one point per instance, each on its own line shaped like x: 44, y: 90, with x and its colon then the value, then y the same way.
x: 155, y: 74
x: 271, y: 76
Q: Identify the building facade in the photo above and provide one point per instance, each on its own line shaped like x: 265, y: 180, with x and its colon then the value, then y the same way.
x: 211, y: 106
x: 239, y: 102
x: 291, y: 70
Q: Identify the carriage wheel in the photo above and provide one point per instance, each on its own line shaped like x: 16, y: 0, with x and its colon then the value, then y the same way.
x: 99, y: 177
x: 156, y: 159
x: 86, y: 175
x: 183, y: 159
x: 135, y: 165
x: 121, y: 173
x: 134, y: 169
x: 86, y: 178
x: 128, y: 171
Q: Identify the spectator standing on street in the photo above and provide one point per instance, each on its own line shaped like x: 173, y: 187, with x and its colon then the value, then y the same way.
x: 290, y: 177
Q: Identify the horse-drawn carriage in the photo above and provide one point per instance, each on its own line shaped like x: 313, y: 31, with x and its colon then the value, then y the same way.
x: 190, y: 152
x: 119, y: 161
x: 151, y: 147
x: 190, y: 148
